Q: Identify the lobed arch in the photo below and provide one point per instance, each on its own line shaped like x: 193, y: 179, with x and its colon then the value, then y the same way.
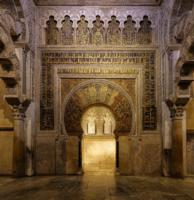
x: 99, y: 113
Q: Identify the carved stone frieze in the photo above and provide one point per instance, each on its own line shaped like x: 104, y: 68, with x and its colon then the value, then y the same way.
x: 95, y: 70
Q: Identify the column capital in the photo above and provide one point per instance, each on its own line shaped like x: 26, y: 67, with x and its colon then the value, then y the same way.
x: 177, y: 107
x: 177, y: 112
x: 18, y: 112
x: 19, y: 105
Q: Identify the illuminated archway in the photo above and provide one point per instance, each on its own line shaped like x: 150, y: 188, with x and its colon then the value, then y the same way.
x: 98, y: 92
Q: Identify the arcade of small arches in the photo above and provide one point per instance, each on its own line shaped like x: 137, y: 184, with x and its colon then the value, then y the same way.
x: 98, y: 34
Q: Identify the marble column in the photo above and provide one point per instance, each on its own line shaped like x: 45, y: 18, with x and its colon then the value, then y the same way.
x: 19, y: 107
x: 19, y: 142
x: 178, y: 153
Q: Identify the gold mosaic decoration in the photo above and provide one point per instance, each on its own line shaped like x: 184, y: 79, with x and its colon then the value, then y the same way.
x: 139, y: 57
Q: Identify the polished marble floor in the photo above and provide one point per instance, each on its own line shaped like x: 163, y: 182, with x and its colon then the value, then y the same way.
x: 98, y: 186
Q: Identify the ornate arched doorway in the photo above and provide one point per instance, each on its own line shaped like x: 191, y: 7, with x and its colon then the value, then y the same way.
x: 92, y: 97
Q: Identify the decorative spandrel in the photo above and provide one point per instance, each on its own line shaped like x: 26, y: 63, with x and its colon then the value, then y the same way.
x: 129, y: 31
x: 52, y: 32
x: 145, y: 31
x: 113, y: 31
x: 67, y: 31
x: 98, y: 31
x: 83, y: 32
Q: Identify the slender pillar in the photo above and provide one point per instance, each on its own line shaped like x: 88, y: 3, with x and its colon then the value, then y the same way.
x: 19, y: 142
x: 178, y: 156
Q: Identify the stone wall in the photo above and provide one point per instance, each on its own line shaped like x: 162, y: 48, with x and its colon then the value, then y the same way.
x: 6, y: 152
x: 69, y: 56
x: 190, y: 153
x: 137, y: 155
x: 190, y: 116
x: 140, y: 155
x: 45, y: 154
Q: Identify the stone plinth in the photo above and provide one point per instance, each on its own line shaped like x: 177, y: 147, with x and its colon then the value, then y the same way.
x: 190, y: 153
x: 98, y: 153
x: 190, y: 116
x: 140, y: 155
x: 124, y: 155
x: 5, y: 124
x: 45, y: 154
x: 6, y: 152
x: 60, y: 154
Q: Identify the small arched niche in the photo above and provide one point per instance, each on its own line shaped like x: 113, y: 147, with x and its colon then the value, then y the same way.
x: 98, y: 120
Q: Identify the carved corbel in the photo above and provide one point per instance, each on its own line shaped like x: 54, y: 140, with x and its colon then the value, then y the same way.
x: 7, y: 74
